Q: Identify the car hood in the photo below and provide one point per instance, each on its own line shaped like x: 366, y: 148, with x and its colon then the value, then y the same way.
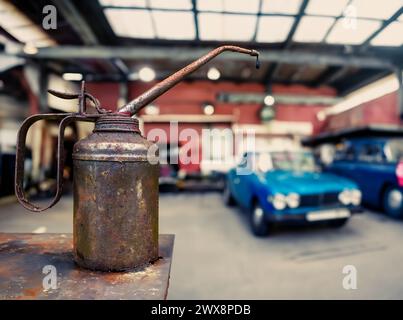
x: 306, y: 182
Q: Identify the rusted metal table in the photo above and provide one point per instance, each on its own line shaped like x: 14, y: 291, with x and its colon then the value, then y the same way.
x: 23, y: 257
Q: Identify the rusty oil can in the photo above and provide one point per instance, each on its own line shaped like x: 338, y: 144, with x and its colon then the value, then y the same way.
x: 115, y: 219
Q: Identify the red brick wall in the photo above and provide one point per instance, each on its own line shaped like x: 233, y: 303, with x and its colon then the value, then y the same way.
x: 187, y: 98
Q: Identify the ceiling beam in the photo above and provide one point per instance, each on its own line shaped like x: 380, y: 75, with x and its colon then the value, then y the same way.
x: 188, y: 54
x: 273, y: 70
x: 85, y: 31
x: 332, y: 74
x: 76, y: 21
x: 295, y: 25
x: 196, y: 21
x: 259, y: 13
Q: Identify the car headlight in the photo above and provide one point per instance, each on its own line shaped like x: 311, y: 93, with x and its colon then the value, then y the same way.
x: 293, y: 200
x: 344, y: 197
x: 355, y: 197
x: 278, y: 201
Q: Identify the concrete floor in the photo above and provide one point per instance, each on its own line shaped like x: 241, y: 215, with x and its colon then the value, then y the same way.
x: 216, y: 257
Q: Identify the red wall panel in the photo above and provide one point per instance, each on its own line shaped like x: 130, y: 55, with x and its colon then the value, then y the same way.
x: 382, y: 110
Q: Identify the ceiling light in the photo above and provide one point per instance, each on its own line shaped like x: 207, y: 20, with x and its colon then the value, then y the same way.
x: 146, y: 74
x: 208, y: 109
x: 269, y: 100
x: 246, y: 72
x: 213, y: 74
x: 70, y: 76
x: 152, y: 110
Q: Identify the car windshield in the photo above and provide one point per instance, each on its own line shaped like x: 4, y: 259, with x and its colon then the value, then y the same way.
x: 394, y: 150
x: 290, y: 161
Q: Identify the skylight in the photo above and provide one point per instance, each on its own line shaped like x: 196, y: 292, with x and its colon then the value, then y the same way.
x: 281, y: 6
x: 392, y: 35
x: 331, y: 8
x: 352, y: 32
x: 210, y: 5
x: 273, y: 29
x: 216, y: 26
x: 183, y: 27
x: 238, y: 20
x: 376, y: 9
x: 237, y: 6
x: 171, y: 4
x: 123, y: 3
x: 21, y: 28
x: 130, y: 23
x: 312, y: 29
x: 240, y: 6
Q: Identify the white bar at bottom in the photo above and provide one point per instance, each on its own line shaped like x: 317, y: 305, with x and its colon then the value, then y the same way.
x: 328, y: 214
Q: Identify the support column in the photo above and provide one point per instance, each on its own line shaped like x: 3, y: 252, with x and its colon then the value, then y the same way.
x: 400, y: 93
x: 123, y: 93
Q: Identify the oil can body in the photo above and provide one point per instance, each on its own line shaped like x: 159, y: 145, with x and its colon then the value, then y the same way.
x: 115, y: 222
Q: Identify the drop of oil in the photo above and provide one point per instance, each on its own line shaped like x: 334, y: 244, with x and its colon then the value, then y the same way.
x: 257, y: 62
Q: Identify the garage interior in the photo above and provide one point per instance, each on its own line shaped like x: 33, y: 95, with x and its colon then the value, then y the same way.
x: 326, y: 72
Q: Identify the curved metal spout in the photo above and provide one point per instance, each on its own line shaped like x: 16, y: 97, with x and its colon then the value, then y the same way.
x: 150, y: 95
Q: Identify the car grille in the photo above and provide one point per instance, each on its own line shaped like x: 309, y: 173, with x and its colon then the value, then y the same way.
x: 316, y: 200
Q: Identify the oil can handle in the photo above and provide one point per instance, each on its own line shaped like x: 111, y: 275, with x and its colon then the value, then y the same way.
x: 66, y: 119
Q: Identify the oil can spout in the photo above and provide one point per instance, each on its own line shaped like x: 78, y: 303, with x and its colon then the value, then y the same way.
x: 160, y: 88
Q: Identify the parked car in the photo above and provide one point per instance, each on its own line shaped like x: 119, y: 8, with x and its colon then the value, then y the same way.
x: 287, y: 186
x: 376, y: 165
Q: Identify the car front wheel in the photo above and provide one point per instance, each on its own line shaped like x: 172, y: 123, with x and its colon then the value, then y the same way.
x: 393, y: 203
x: 257, y: 221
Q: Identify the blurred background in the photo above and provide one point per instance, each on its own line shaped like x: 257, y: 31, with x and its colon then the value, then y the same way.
x: 330, y: 81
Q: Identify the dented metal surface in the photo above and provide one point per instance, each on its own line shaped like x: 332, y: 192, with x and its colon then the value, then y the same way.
x: 115, y: 199
x: 23, y: 256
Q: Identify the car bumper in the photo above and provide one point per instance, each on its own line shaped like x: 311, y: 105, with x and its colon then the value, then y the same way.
x: 312, y: 216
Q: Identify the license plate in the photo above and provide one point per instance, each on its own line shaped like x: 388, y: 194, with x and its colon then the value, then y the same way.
x: 328, y: 214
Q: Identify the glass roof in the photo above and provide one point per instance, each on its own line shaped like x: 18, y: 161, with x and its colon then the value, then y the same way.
x: 350, y: 22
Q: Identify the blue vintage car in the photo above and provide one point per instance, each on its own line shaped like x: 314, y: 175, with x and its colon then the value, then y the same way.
x: 287, y: 186
x: 376, y: 165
